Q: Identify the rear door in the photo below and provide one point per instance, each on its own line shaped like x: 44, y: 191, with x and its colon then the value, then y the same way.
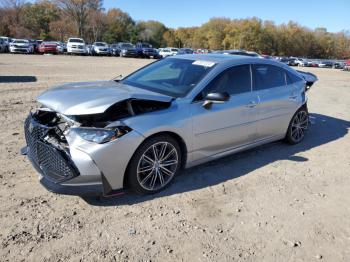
x: 277, y: 100
x: 230, y: 124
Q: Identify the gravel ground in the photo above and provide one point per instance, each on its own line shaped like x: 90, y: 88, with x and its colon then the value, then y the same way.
x: 273, y: 203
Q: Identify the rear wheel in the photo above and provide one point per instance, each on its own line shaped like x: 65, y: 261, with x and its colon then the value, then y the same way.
x: 298, y: 126
x: 154, y: 165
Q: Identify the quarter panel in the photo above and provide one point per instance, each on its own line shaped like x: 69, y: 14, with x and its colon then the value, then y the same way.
x: 111, y: 158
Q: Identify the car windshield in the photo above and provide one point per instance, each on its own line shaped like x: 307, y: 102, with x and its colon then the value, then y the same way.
x: 76, y: 40
x: 21, y: 41
x: 100, y: 44
x: 146, y: 46
x: 127, y: 46
x: 173, y: 77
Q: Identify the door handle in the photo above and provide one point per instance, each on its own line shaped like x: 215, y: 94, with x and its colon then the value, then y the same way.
x: 251, y: 104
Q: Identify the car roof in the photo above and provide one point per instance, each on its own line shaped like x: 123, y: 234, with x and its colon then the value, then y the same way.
x: 230, y: 60
x: 219, y: 58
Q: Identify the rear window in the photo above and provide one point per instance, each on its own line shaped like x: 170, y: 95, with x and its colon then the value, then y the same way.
x: 268, y: 76
x: 21, y: 41
x: 292, y: 78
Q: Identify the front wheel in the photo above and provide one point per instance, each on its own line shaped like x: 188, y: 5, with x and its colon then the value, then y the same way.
x: 298, y: 127
x: 154, y: 165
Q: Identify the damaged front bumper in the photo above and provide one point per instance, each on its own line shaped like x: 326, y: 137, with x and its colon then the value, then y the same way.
x: 86, y: 168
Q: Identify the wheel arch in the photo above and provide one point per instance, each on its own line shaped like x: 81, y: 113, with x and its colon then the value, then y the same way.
x: 179, y: 140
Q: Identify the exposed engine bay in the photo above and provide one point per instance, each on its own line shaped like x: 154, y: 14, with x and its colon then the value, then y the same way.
x: 120, y: 110
x: 58, y: 125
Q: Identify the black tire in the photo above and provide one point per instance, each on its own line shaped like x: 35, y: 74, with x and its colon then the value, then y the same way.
x: 298, y: 127
x: 133, y: 177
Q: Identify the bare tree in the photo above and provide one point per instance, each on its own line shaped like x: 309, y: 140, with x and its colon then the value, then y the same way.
x: 78, y: 11
x: 15, y: 5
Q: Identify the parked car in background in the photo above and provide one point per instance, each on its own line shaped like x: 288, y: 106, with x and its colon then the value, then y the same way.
x: 347, y: 65
x: 303, y: 63
x: 235, y: 52
x: 64, y: 45
x: 2, y: 46
x: 254, y: 54
x: 325, y: 64
x: 299, y: 61
x: 338, y: 65
x: 138, y: 132
x: 240, y: 52
x: 100, y: 48
x: 313, y: 64
x: 60, y: 47
x: 145, y: 50
x: 283, y: 60
x: 6, y: 41
x: 115, y: 51
x: 174, y: 50
x: 48, y: 47
x: 185, y: 51
x: 76, y: 46
x: 127, y: 50
x: 21, y: 46
x: 88, y: 48
x: 35, y: 44
x: 164, y: 52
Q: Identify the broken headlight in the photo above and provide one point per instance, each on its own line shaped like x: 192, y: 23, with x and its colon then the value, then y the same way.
x: 100, y: 135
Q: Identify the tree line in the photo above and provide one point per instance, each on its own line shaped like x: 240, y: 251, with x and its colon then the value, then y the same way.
x: 61, y: 19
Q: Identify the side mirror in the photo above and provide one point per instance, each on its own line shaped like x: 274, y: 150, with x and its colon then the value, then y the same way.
x: 215, y: 98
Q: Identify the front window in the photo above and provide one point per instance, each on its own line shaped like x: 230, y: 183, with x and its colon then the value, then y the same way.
x: 127, y: 46
x: 76, y: 40
x: 173, y: 77
x: 146, y: 46
x: 235, y: 80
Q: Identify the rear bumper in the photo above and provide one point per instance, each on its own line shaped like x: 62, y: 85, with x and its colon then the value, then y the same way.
x: 54, y: 51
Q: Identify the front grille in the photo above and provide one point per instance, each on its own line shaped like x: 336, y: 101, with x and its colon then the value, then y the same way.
x: 54, y: 163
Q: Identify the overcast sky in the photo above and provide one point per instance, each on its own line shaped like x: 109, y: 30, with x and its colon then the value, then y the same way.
x: 334, y: 15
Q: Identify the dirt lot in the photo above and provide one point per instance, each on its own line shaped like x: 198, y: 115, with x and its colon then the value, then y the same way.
x: 274, y: 203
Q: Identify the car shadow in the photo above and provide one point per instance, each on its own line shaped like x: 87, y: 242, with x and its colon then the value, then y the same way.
x: 323, y: 129
x: 17, y: 79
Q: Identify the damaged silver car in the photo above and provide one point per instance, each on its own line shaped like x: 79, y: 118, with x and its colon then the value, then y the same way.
x: 98, y: 138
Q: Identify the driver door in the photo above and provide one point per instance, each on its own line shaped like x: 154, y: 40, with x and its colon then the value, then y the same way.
x: 226, y: 125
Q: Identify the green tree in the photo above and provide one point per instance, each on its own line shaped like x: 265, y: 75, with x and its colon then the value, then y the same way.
x: 119, y: 26
x: 38, y: 16
x: 152, y: 32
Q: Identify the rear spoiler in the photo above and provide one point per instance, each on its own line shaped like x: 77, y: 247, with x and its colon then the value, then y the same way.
x: 308, y: 77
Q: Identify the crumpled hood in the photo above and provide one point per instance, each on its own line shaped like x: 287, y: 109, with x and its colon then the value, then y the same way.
x: 93, y: 97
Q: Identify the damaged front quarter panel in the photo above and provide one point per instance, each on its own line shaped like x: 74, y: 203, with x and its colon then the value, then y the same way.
x: 120, y: 110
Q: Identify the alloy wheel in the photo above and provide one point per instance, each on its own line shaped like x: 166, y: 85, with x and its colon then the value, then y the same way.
x: 157, y: 166
x: 299, y: 126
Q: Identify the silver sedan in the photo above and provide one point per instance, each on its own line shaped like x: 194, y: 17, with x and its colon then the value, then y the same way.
x: 138, y: 132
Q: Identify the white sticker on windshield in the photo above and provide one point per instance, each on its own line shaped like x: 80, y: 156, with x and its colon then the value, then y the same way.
x: 203, y: 63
